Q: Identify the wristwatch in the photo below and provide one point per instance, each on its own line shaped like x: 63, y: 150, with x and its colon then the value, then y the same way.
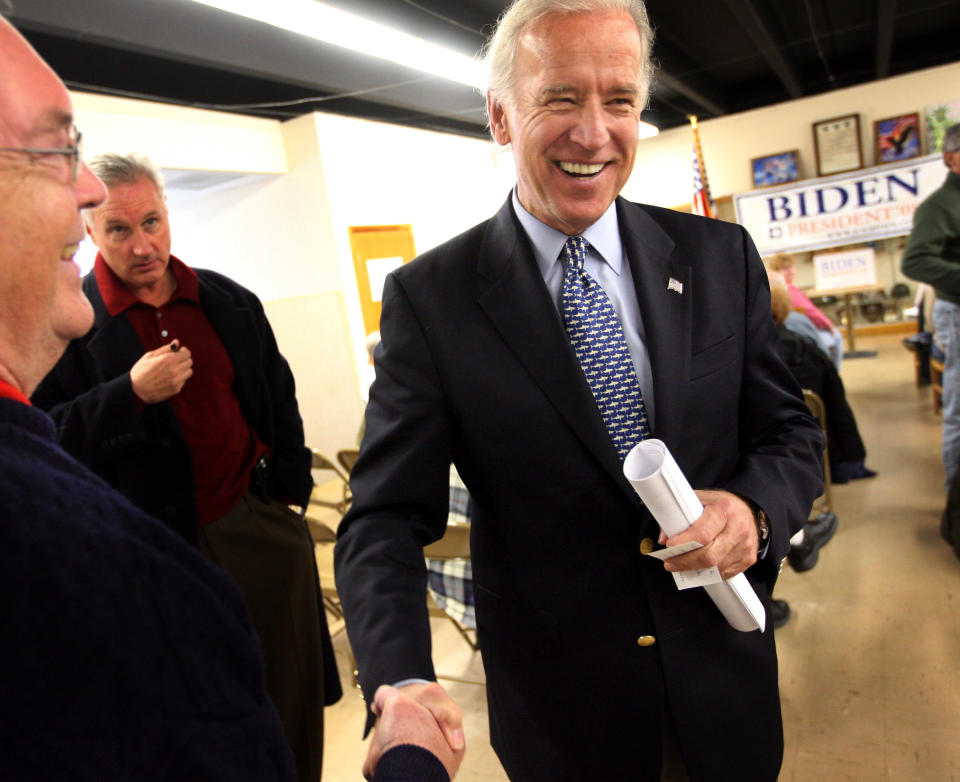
x: 763, y: 526
x: 760, y: 518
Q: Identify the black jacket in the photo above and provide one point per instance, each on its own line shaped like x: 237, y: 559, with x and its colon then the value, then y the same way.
x: 814, y: 370
x: 144, y: 454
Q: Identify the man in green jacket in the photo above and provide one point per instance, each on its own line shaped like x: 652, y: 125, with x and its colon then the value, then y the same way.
x: 932, y: 255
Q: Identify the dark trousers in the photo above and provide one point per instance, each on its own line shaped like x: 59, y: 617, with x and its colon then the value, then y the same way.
x: 267, y: 550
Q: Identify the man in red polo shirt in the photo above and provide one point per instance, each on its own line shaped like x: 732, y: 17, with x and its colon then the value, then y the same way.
x: 179, y: 398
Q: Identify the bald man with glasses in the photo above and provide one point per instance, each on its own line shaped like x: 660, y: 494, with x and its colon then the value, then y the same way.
x: 126, y: 656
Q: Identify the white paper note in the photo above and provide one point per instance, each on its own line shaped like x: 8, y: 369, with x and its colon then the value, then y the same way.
x: 687, y: 579
x: 676, y: 551
x: 651, y: 470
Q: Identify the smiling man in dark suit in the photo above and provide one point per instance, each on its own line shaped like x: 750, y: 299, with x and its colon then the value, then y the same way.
x: 597, y: 666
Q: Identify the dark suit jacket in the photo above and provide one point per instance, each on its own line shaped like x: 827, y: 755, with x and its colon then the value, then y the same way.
x: 475, y: 367
x: 144, y: 453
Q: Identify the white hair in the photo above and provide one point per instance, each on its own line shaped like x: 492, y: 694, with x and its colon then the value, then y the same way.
x: 113, y: 169
x: 500, y: 50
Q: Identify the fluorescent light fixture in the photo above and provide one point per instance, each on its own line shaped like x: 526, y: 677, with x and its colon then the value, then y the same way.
x: 333, y: 26
x: 349, y: 31
x: 647, y: 130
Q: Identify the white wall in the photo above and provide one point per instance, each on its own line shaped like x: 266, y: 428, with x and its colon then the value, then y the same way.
x: 380, y: 174
x: 663, y: 171
x: 179, y: 137
x: 274, y: 236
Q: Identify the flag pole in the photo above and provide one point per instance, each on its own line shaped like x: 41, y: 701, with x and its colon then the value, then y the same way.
x: 698, y: 151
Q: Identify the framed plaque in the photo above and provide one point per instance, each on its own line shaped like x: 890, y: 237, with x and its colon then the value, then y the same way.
x: 775, y: 169
x: 897, y: 138
x: 836, y: 143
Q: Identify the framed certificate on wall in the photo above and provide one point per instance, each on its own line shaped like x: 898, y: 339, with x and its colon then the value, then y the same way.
x: 836, y: 143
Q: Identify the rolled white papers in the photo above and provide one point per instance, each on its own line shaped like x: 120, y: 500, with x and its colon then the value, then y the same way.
x: 651, y: 470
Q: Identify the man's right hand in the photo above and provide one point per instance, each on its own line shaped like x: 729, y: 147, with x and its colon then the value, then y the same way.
x: 421, y: 714
x: 160, y: 374
x: 447, y: 714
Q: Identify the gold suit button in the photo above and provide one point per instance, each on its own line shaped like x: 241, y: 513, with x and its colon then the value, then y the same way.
x: 646, y: 640
x: 646, y: 545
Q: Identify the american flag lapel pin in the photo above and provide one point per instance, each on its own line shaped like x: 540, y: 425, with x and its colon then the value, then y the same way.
x: 675, y: 285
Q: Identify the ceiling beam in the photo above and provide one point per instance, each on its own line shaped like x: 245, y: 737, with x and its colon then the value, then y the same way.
x: 209, y: 38
x: 689, y: 92
x: 886, y: 11
x: 753, y: 25
x: 695, y: 85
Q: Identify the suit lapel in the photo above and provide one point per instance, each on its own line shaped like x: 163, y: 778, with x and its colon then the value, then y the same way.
x: 519, y: 306
x: 665, y: 296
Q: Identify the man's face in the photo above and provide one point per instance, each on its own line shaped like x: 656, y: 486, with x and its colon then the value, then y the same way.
x: 42, y: 305
x: 133, y: 234
x: 573, y: 115
x: 952, y: 159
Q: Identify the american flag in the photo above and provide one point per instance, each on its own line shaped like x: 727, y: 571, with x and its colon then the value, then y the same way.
x: 702, y: 203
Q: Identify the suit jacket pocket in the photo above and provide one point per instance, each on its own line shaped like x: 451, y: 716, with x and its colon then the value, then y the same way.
x: 714, y: 358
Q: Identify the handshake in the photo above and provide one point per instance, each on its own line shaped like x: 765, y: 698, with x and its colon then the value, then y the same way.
x: 408, y: 735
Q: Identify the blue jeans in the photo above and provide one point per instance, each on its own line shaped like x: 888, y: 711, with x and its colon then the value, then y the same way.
x: 832, y: 344
x: 946, y: 324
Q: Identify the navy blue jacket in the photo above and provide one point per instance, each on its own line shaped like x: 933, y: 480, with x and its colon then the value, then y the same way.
x: 123, y: 653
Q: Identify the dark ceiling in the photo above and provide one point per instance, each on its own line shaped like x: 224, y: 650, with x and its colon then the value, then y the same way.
x: 715, y: 56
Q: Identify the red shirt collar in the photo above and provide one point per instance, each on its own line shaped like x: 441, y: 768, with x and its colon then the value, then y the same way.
x: 9, y: 392
x: 117, y: 297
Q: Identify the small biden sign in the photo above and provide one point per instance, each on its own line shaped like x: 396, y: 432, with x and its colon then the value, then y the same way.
x: 849, y: 269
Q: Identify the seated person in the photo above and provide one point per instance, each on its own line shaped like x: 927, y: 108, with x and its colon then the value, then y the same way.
x: 800, y: 324
x: 827, y: 336
x: 813, y: 370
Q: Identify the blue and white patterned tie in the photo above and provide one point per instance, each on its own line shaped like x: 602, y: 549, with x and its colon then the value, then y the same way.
x: 601, y: 347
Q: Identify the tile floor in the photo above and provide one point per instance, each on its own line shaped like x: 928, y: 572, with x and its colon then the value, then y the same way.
x: 870, y: 660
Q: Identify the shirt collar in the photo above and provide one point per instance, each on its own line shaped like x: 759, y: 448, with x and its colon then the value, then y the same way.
x: 8, y: 391
x: 117, y: 297
x: 603, y: 237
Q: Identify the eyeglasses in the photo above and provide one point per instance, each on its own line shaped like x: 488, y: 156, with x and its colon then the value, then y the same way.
x: 73, y: 151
